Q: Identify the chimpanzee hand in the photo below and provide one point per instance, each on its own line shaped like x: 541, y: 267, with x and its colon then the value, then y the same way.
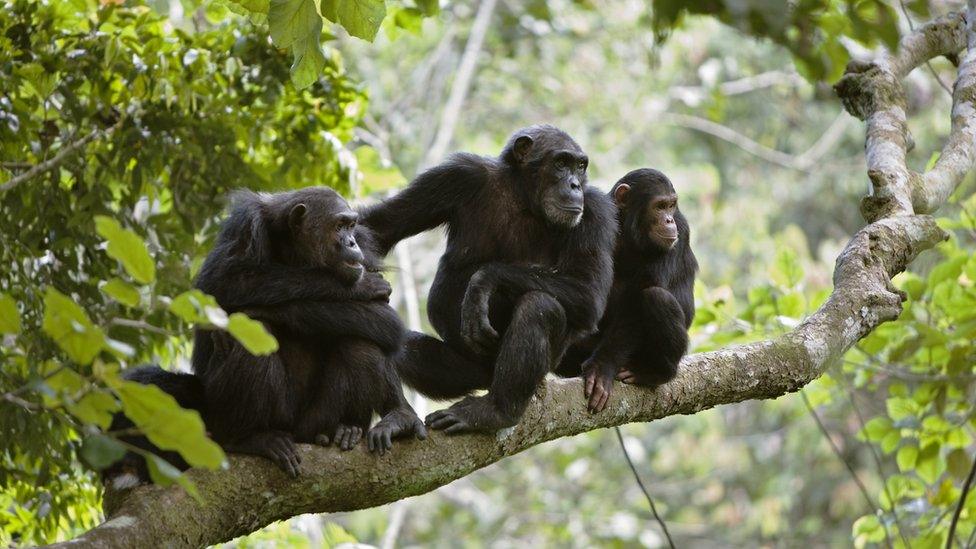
x: 597, y: 384
x: 398, y: 423
x: 372, y: 287
x: 478, y: 414
x: 476, y: 328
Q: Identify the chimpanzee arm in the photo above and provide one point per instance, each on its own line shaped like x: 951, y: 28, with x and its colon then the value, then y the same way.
x: 430, y: 200
x: 373, y: 321
x: 580, y: 282
x: 238, y: 285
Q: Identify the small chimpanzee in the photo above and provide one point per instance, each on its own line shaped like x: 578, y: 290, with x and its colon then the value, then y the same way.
x: 527, y: 270
x: 293, y: 260
x: 643, y: 333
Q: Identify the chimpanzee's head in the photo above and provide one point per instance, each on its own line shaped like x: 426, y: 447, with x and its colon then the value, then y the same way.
x: 648, y: 206
x: 550, y: 171
x: 323, y: 232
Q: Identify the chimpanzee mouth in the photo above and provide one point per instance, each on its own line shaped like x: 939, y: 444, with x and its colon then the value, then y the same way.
x: 353, y: 264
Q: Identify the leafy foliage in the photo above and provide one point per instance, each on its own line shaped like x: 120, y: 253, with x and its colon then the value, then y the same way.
x: 812, y: 30
x: 99, y: 250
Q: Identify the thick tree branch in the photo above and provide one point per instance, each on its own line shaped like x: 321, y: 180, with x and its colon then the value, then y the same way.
x: 253, y: 493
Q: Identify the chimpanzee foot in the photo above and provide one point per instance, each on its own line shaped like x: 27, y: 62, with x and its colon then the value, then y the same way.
x: 347, y: 437
x: 398, y: 423
x: 277, y: 446
x: 472, y: 414
x: 631, y: 378
x: 597, y: 385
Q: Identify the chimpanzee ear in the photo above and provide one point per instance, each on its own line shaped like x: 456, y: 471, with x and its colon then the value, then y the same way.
x: 522, y: 146
x: 296, y: 215
x: 620, y: 194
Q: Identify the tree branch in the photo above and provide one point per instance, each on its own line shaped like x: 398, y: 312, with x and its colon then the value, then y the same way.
x: 253, y: 493
x: 60, y: 157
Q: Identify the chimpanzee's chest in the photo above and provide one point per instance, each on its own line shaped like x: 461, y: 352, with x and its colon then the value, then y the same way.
x: 494, y: 231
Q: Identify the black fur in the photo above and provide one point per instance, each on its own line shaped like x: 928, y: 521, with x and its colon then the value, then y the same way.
x: 643, y: 333
x: 297, y: 262
x: 526, y: 272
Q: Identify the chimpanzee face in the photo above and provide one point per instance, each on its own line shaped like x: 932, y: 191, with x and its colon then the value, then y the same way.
x: 557, y: 168
x: 324, y: 228
x: 648, y: 208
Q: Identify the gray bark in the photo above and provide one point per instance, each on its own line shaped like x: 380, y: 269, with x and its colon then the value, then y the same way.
x: 253, y: 493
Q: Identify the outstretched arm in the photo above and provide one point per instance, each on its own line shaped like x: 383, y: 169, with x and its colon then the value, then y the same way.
x: 373, y: 321
x: 430, y: 200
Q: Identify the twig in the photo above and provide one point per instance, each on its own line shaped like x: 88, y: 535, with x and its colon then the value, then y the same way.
x: 881, y: 473
x: 962, y: 502
x: 850, y: 468
x: 138, y: 324
x: 650, y: 500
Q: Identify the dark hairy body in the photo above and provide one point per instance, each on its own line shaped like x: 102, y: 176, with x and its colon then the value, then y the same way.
x: 644, y: 332
x: 299, y: 262
x: 526, y: 272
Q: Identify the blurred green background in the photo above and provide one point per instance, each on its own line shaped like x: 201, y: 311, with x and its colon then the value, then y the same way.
x: 180, y: 101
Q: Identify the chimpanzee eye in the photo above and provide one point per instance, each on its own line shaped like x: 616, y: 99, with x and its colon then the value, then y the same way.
x: 581, y: 166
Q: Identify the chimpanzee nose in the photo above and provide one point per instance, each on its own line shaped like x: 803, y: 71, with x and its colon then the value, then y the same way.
x: 351, y: 242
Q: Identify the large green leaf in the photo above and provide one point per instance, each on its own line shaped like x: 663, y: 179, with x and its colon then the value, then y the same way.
x: 121, y: 291
x: 127, y: 247
x: 100, y: 451
x: 251, y: 334
x: 291, y: 21
x: 163, y: 473
x: 361, y: 18
x: 9, y: 316
x: 70, y: 327
x: 95, y: 408
x: 168, y: 426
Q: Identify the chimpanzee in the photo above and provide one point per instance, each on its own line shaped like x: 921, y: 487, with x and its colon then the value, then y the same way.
x: 643, y: 333
x: 526, y: 272
x: 293, y: 260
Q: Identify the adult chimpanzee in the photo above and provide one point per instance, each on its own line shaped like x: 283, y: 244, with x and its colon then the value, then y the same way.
x: 526, y: 272
x: 293, y: 260
x: 643, y: 333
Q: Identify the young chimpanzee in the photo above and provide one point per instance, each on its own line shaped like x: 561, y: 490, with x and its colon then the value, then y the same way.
x: 527, y: 270
x: 299, y: 262
x: 643, y: 333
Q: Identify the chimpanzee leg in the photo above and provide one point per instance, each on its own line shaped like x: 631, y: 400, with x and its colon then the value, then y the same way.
x: 665, y: 340
x: 434, y: 369
x: 250, y: 404
x: 532, y: 344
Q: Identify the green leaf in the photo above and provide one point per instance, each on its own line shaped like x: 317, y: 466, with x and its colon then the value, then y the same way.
x: 786, y: 271
x: 9, y: 316
x: 906, y: 457
x: 930, y: 464
x: 121, y: 291
x: 70, y: 327
x: 876, y: 429
x: 253, y: 6
x: 869, y: 528
x: 251, y: 334
x: 128, y: 248
x: 361, y: 18
x: 197, y: 307
x: 429, y: 7
x: 100, y: 451
x: 309, y: 60
x: 958, y: 463
x: 168, y: 426
x: 291, y: 21
x: 164, y: 474
x: 95, y: 408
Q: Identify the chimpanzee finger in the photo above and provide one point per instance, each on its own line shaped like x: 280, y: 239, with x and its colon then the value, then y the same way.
x: 434, y: 416
x: 588, y: 383
x: 625, y: 375
x: 371, y: 440
x: 323, y: 439
x: 387, y: 441
x: 603, y: 401
x: 594, y: 400
x: 419, y: 429
x: 444, y: 421
x: 458, y: 427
